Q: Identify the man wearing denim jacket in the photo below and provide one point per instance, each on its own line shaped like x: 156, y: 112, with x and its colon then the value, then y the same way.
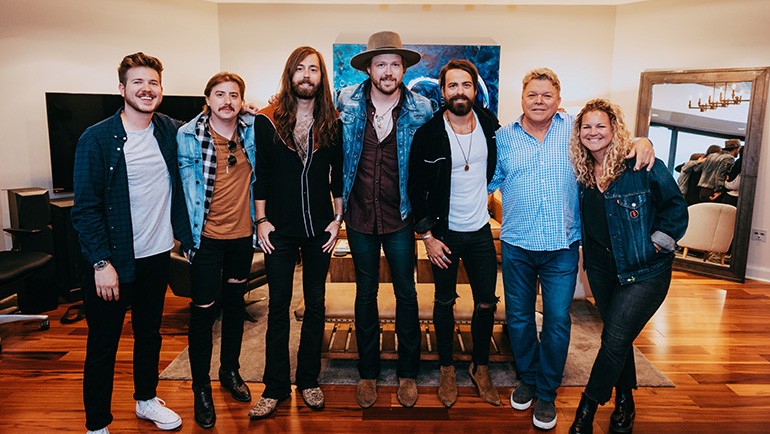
x: 216, y: 163
x: 380, y: 117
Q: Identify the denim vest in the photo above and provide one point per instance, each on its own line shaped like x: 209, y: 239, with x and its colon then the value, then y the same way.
x: 641, y: 208
x: 191, y: 172
x: 351, y: 103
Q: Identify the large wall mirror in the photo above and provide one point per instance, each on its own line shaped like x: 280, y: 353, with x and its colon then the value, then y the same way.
x: 686, y: 114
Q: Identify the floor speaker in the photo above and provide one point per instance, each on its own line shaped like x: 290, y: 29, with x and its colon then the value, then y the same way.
x: 28, y: 208
x: 69, y: 259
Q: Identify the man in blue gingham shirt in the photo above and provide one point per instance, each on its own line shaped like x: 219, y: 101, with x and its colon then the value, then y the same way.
x: 540, y: 236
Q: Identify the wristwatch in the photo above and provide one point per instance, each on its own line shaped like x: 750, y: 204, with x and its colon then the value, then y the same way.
x: 100, y: 265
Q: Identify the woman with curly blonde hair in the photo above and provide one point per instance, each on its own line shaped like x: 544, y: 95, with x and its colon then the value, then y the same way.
x: 630, y: 223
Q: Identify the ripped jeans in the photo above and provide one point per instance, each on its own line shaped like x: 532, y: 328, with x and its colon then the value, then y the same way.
x: 477, y: 251
x: 219, y: 276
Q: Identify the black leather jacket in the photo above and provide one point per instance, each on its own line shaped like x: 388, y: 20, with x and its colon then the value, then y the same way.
x: 430, y: 170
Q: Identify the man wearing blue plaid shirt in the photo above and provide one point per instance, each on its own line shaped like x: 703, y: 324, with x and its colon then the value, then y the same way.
x: 540, y: 236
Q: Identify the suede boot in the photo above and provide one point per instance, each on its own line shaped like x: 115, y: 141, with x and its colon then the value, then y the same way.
x: 584, y: 416
x: 480, y: 377
x: 447, y: 389
x: 622, y: 419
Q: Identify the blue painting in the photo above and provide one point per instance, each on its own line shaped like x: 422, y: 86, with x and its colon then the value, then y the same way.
x: 422, y: 78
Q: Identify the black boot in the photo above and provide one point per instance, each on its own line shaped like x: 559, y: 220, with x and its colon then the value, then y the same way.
x: 205, y: 416
x: 584, y: 416
x: 622, y: 419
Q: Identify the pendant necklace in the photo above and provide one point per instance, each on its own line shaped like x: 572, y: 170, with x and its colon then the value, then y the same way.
x: 470, y: 142
x: 379, y: 119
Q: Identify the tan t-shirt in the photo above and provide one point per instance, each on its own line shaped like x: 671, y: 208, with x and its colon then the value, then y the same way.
x: 229, y: 216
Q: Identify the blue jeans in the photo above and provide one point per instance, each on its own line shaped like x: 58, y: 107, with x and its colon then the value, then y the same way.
x: 399, y: 251
x: 539, y: 362
x: 625, y: 310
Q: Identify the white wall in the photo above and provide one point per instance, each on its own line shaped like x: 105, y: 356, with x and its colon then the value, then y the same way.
x: 697, y: 34
x: 76, y: 46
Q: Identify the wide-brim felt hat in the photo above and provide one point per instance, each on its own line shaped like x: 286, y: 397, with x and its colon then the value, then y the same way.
x: 384, y: 43
x: 731, y: 144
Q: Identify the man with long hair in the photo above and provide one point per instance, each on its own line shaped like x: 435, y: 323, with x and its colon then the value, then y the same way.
x: 216, y: 161
x: 298, y: 197
x: 128, y: 209
x: 453, y: 159
x: 380, y: 116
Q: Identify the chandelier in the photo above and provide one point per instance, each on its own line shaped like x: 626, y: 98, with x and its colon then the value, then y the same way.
x: 714, y: 102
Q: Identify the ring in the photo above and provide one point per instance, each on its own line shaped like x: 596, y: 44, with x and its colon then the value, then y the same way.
x: 444, y: 258
x: 259, y: 242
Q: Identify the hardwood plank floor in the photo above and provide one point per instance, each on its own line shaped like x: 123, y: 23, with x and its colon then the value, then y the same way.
x: 711, y: 337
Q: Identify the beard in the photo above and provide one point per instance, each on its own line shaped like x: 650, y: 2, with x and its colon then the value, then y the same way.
x: 142, y: 108
x: 304, y: 93
x: 381, y: 86
x: 459, y: 105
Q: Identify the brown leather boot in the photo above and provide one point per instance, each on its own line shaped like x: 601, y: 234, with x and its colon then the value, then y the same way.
x: 407, y: 391
x: 483, y: 382
x: 447, y: 390
x: 366, y: 393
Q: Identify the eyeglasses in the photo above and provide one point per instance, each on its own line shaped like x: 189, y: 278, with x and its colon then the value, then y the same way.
x: 232, y: 145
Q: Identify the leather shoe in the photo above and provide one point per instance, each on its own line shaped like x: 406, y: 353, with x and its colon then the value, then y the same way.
x: 584, y: 416
x: 622, y: 419
x: 483, y: 382
x: 205, y: 416
x: 232, y: 381
x: 366, y: 393
x: 447, y: 389
x: 407, y: 392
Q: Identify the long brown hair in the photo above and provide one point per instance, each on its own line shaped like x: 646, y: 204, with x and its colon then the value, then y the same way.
x: 324, y: 113
x: 615, y: 157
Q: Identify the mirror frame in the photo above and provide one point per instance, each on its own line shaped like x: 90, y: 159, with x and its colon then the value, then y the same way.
x: 753, y: 143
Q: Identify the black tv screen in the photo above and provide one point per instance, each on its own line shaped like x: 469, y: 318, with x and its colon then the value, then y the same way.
x: 69, y: 114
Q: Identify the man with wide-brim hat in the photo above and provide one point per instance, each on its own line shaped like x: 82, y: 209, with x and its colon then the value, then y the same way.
x: 379, y: 118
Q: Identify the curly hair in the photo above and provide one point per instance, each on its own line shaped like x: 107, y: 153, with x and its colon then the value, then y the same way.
x: 325, y: 115
x: 615, y: 158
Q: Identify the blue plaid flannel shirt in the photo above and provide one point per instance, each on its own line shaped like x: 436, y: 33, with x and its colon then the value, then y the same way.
x: 541, y: 211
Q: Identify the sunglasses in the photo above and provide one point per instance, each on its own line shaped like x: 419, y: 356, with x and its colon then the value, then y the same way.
x: 231, y: 147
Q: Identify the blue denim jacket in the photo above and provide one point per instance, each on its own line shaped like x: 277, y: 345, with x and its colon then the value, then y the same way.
x: 190, y: 157
x: 641, y: 208
x: 351, y: 103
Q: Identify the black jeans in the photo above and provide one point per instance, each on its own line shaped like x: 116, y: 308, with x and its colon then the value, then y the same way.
x: 477, y: 251
x: 145, y: 297
x: 280, y: 278
x: 625, y: 310
x: 216, y: 262
x: 399, y: 251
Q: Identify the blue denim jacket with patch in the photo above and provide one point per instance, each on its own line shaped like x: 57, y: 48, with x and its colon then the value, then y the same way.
x: 643, y: 208
x: 351, y: 103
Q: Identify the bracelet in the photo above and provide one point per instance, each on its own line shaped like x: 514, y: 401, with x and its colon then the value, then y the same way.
x: 426, y: 236
x: 338, y: 218
x: 262, y: 220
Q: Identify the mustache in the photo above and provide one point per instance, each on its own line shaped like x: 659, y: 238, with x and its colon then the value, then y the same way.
x: 459, y: 98
x: 226, y: 106
x: 305, y: 81
x: 145, y: 93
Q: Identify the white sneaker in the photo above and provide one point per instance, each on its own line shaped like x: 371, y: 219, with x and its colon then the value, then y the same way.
x: 99, y: 431
x: 155, y: 411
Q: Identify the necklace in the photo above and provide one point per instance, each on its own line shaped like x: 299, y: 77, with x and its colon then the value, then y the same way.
x: 470, y: 142
x: 380, y: 118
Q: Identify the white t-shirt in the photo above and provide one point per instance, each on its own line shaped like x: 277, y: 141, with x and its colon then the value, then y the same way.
x: 149, y: 192
x: 468, y: 193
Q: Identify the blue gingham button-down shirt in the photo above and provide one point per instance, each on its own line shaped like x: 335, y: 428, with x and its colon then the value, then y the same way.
x: 541, y: 211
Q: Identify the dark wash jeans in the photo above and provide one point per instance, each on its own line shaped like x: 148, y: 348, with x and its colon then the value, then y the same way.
x: 477, y: 251
x: 280, y: 278
x: 215, y: 262
x: 145, y: 297
x: 399, y: 251
x: 625, y: 310
x: 540, y: 362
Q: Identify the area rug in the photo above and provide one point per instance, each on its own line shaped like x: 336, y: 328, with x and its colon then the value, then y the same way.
x: 584, y: 344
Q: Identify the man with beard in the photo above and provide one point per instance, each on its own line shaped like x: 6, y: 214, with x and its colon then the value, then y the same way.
x: 128, y: 209
x: 448, y: 179
x: 298, y: 196
x: 379, y: 117
x: 216, y: 162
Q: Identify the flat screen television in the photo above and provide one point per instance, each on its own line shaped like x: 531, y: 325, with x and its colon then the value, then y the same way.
x: 69, y: 114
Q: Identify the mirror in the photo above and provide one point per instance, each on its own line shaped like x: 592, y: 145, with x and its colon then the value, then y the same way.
x: 685, y: 112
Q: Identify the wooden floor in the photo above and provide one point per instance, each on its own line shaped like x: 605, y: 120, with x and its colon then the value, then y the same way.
x: 711, y: 337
